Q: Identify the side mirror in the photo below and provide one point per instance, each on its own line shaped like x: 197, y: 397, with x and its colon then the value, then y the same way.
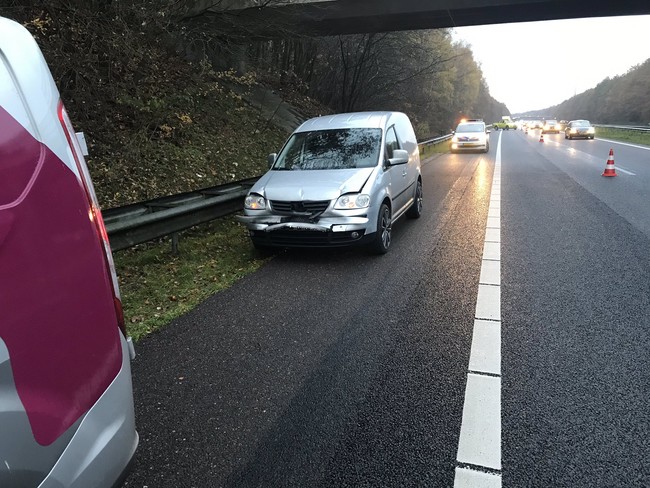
x: 400, y: 156
x: 487, y: 131
x: 270, y: 159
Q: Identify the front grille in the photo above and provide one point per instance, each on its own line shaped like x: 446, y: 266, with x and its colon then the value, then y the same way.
x: 305, y: 238
x: 280, y: 206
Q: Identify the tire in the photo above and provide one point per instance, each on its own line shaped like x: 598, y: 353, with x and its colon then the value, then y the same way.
x: 416, y: 209
x: 487, y: 148
x: 381, y: 242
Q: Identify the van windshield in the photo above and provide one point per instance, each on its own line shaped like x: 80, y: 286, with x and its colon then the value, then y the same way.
x: 331, y: 149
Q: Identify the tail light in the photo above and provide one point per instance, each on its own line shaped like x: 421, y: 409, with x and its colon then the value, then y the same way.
x: 94, y: 213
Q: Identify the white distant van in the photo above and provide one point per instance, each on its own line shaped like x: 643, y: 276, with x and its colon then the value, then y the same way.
x: 66, y: 401
x: 340, y: 180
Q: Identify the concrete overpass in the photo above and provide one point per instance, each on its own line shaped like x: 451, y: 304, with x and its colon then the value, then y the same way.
x: 335, y: 17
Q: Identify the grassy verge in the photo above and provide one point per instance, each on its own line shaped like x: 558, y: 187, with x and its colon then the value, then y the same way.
x: 631, y: 136
x: 426, y: 151
x: 157, y: 287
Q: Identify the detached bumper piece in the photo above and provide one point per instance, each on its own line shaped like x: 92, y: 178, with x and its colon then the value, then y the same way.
x: 287, y: 237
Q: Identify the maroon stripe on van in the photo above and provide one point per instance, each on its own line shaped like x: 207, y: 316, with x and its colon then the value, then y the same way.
x: 57, y: 315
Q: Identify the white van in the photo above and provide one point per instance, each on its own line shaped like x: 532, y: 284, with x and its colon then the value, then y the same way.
x: 66, y: 401
x: 339, y: 180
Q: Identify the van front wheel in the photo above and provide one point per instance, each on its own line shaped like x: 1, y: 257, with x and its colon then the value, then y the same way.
x: 381, y: 242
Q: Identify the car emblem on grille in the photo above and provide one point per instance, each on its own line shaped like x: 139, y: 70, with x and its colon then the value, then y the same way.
x: 298, y: 207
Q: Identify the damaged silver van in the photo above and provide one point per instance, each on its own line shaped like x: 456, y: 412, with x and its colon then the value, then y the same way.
x: 339, y: 180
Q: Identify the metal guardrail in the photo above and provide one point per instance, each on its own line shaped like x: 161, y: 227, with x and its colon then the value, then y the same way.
x: 145, y: 221
x: 435, y: 140
x: 624, y: 127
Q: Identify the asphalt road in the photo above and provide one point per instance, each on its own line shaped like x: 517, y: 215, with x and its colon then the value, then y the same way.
x: 336, y: 368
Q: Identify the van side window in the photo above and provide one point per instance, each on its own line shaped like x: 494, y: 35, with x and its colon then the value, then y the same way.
x: 392, y: 142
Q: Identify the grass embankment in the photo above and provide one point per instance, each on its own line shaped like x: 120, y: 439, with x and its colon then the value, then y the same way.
x: 623, y: 135
x: 430, y: 150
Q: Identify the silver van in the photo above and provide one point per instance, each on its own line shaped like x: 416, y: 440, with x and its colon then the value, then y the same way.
x: 66, y: 400
x: 339, y: 180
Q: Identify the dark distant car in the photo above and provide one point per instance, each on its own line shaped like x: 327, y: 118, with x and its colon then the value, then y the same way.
x: 551, y: 125
x: 579, y: 129
x: 563, y: 124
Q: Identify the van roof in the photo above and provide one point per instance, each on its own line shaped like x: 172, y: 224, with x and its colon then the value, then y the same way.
x: 346, y: 121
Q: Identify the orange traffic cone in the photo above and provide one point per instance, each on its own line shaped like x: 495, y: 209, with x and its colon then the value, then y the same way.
x: 609, y: 168
x: 541, y: 137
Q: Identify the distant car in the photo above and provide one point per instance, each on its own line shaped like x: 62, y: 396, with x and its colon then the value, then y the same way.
x: 340, y: 180
x: 505, y: 124
x: 579, y: 129
x: 551, y: 125
x: 563, y: 124
x: 66, y: 401
x: 536, y: 124
x: 471, y: 135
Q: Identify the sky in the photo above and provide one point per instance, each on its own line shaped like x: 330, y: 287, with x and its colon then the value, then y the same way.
x: 535, y: 65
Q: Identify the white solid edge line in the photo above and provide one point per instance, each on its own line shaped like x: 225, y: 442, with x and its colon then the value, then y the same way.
x: 623, y: 144
x: 618, y: 168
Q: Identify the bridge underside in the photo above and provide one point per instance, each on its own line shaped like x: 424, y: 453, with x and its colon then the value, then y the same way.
x: 337, y: 17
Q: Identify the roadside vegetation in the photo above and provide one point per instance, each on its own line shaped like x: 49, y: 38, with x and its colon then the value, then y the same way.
x: 623, y: 135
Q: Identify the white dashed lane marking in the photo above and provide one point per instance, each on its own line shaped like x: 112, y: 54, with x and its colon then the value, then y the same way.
x: 479, y: 446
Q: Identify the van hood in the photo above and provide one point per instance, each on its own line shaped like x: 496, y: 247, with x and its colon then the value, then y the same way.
x: 311, y: 185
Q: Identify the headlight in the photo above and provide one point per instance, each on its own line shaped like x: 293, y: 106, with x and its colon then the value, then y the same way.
x: 573, y: 131
x: 591, y: 130
x: 352, y: 201
x: 254, y: 202
x: 454, y: 139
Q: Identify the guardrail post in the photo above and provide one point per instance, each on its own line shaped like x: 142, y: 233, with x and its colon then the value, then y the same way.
x: 175, y: 243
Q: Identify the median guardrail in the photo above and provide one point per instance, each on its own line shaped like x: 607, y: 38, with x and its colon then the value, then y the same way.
x: 624, y: 127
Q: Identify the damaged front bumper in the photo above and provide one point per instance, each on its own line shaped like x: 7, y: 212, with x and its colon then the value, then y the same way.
x: 288, y: 231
